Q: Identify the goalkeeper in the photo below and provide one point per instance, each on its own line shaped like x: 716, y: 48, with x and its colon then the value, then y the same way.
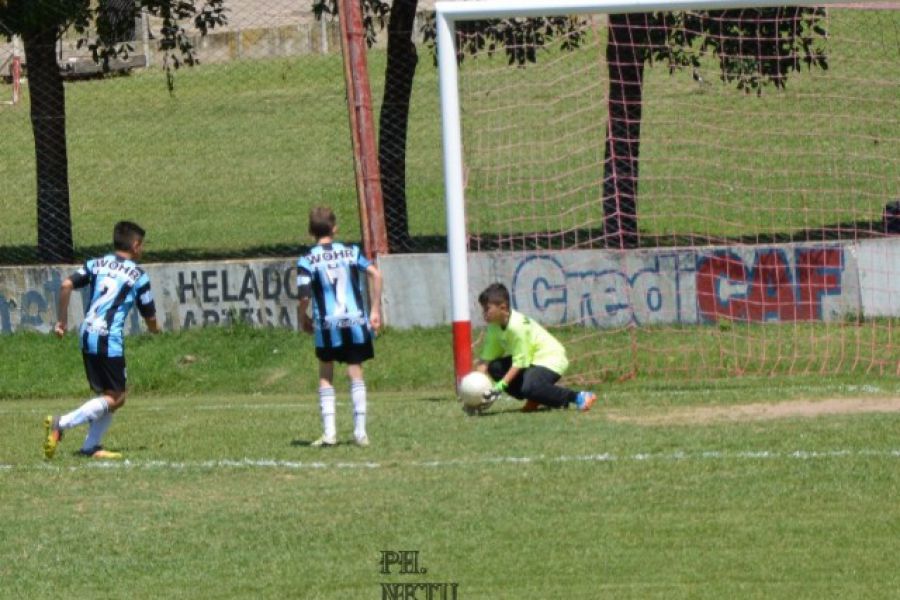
x: 523, y: 359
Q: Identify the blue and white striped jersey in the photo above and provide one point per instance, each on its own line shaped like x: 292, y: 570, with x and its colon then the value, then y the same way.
x: 331, y: 274
x: 116, y: 283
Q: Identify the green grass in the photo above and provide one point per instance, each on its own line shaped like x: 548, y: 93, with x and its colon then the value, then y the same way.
x: 231, y: 163
x: 222, y: 498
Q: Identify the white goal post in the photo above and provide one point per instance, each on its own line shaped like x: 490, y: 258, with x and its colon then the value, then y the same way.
x: 448, y: 14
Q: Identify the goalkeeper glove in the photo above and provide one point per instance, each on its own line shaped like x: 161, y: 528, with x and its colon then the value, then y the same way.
x: 493, y: 394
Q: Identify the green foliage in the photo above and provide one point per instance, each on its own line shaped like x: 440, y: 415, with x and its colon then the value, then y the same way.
x: 109, y: 20
x: 764, y: 45
x: 520, y: 38
x: 754, y: 47
x: 375, y: 15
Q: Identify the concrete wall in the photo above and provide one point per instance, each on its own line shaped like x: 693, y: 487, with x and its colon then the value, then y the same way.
x: 612, y: 289
x: 261, y: 292
x: 779, y: 283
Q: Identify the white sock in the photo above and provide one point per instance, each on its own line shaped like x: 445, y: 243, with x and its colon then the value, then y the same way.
x: 326, y: 403
x: 91, y: 410
x: 96, y: 431
x: 358, y: 395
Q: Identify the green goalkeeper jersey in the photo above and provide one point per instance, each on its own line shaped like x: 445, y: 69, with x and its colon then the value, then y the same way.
x: 527, y: 342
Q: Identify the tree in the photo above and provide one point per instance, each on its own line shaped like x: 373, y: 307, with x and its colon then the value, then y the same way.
x: 402, y: 60
x: 393, y: 122
x: 41, y: 25
x: 754, y: 48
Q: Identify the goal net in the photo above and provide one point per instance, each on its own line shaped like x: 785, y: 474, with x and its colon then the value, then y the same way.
x: 702, y: 193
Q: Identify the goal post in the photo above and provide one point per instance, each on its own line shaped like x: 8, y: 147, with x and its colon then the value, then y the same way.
x: 746, y: 265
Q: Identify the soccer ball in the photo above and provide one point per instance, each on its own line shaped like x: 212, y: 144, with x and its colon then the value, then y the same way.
x: 472, y: 388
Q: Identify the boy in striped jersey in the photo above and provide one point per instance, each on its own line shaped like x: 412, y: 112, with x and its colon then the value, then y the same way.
x: 116, y: 284
x: 329, y: 278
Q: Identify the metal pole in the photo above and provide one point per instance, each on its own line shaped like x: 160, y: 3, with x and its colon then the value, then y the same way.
x: 362, y: 127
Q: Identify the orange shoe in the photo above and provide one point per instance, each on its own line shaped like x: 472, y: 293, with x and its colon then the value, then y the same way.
x: 531, y: 406
x: 99, y: 452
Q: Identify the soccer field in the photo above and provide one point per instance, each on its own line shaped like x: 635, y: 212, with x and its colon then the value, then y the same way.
x: 220, y: 496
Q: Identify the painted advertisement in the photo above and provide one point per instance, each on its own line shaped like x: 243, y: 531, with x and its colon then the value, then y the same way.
x: 187, y: 295
x: 752, y: 284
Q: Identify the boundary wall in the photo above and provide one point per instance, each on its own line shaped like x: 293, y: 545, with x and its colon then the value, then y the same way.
x: 777, y: 283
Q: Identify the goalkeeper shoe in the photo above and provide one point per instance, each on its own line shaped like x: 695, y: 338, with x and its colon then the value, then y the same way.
x: 53, y: 435
x: 531, y: 406
x: 585, y: 400
x: 325, y: 441
x: 100, y: 453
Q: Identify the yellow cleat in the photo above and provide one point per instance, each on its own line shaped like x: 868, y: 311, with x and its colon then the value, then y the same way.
x: 53, y: 435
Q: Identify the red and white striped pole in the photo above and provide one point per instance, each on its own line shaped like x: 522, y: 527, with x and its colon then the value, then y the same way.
x: 454, y: 199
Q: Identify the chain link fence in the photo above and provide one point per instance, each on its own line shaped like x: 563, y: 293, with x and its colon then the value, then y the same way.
x: 221, y: 158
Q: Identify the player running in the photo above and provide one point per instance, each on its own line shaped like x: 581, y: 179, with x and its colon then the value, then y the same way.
x: 116, y: 284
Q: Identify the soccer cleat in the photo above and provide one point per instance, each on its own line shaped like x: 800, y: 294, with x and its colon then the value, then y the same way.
x: 100, y: 453
x: 324, y: 442
x: 585, y: 401
x: 362, y: 440
x: 53, y: 435
x: 531, y: 406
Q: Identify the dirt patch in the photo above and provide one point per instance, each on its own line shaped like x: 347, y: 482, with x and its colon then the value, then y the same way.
x: 276, y: 375
x: 869, y: 5
x: 700, y: 415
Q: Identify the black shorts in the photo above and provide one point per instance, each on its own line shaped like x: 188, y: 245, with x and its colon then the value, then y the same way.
x: 105, y: 373
x: 351, y: 354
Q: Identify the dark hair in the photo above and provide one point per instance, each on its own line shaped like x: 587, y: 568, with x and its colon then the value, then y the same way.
x: 125, y: 233
x: 321, y: 221
x: 496, y: 293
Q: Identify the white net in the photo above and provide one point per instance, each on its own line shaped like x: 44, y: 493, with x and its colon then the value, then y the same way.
x: 637, y: 185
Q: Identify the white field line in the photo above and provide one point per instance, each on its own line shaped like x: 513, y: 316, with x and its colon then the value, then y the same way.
x: 290, y: 465
x: 299, y: 405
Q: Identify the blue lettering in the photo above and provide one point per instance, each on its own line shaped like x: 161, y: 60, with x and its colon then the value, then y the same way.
x: 604, y: 297
x: 5, y: 321
x: 33, y: 308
